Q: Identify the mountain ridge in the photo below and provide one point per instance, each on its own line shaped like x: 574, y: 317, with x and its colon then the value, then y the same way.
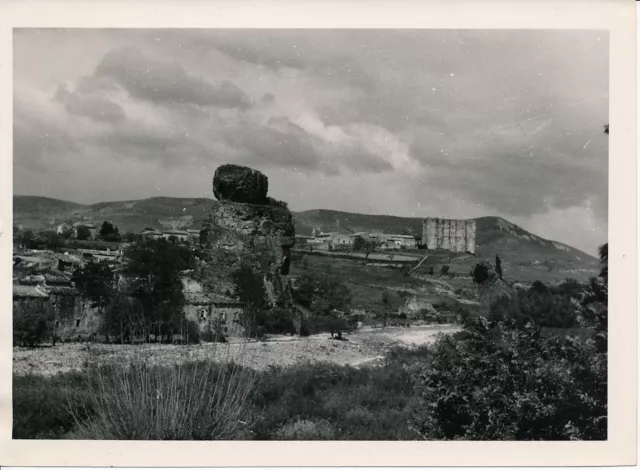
x: 494, y: 235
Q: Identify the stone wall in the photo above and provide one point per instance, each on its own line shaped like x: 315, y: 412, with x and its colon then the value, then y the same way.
x: 454, y: 235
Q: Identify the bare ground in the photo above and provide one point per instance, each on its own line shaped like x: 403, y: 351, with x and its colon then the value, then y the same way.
x: 367, y: 345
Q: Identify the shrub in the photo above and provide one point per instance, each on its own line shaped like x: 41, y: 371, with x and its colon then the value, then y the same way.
x: 306, y: 430
x: 501, y: 382
x: 541, y: 307
x: 444, y: 270
x: 482, y: 273
x: 32, y: 324
x: 193, y: 401
x: 42, y: 405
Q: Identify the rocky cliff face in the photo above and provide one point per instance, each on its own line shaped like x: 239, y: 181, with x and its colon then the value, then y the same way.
x: 258, y: 235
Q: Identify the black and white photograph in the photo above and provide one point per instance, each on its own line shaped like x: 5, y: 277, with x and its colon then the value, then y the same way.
x: 311, y: 234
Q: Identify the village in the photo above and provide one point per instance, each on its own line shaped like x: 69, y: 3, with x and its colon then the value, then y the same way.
x: 44, y: 276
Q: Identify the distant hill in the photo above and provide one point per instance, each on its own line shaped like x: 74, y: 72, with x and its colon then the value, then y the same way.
x: 40, y: 213
x: 493, y: 234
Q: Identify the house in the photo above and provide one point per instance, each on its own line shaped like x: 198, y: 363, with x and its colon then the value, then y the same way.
x: 332, y: 239
x: 179, y: 235
x: 403, y: 241
x: 207, y: 309
x: 74, y: 317
x: 194, y: 235
x: 150, y: 234
x: 92, y: 229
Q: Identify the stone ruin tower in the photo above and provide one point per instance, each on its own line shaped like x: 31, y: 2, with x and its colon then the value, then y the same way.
x: 247, y: 226
x: 458, y: 236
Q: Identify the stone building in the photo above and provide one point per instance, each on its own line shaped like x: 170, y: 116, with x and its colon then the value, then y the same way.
x: 458, y: 236
x: 206, y: 309
x: 73, y: 316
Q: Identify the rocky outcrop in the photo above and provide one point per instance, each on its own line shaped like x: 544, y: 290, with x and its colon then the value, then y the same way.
x: 240, y: 184
x: 258, y: 235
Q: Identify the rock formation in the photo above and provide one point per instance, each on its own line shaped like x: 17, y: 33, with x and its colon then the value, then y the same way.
x: 258, y: 234
x: 240, y: 184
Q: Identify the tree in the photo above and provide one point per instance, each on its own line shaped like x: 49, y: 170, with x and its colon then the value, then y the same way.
x: 328, y: 298
x: 482, y: 272
x: 498, y: 267
x: 83, y: 233
x: 603, y: 252
x: 32, y: 323
x: 109, y: 232
x: 386, y: 302
x: 154, y: 267
x: 253, y: 295
x: 51, y: 239
x: 358, y: 243
x: 29, y: 240
x: 67, y: 232
x: 96, y: 281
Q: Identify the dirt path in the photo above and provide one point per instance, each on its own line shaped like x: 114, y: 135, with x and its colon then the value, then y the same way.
x: 365, y: 346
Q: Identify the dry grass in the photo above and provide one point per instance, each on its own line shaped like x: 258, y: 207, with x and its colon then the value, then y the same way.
x: 189, y: 401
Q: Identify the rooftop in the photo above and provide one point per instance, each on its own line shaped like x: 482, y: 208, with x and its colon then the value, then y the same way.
x: 20, y: 291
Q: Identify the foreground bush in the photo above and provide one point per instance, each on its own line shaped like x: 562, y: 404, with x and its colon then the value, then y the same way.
x: 196, y: 401
x: 42, y: 407
x: 327, y: 401
x: 503, y: 382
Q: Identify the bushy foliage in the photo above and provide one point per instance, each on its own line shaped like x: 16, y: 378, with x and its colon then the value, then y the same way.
x: 96, y: 281
x: 499, y: 381
x: 532, y: 306
x: 444, y: 270
x: 482, y: 273
x: 327, y: 401
x: 329, y: 299
x: 109, y: 232
x: 83, y: 233
x: 42, y: 405
x: 33, y: 324
x: 153, y: 267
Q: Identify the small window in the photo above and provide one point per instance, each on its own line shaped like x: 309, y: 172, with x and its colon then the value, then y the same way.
x: 78, y: 323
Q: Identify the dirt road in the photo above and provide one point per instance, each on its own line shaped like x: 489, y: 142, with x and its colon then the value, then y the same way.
x: 365, y: 346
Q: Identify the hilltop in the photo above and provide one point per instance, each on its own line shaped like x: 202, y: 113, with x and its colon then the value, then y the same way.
x: 494, y: 235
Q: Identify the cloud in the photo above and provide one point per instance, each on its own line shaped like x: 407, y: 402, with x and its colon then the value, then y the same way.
x: 453, y: 123
x: 158, y: 82
x: 98, y: 109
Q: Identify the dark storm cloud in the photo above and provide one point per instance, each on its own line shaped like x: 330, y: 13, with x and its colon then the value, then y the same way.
x: 158, y: 82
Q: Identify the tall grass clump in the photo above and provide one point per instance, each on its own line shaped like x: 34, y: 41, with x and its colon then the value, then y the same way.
x: 190, y: 401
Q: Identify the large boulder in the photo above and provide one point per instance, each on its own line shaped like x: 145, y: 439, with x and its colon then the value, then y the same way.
x: 240, y: 184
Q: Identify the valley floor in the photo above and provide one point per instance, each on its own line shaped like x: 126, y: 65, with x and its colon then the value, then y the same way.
x: 365, y: 346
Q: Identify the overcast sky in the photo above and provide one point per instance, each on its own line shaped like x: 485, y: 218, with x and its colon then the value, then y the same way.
x: 410, y: 123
